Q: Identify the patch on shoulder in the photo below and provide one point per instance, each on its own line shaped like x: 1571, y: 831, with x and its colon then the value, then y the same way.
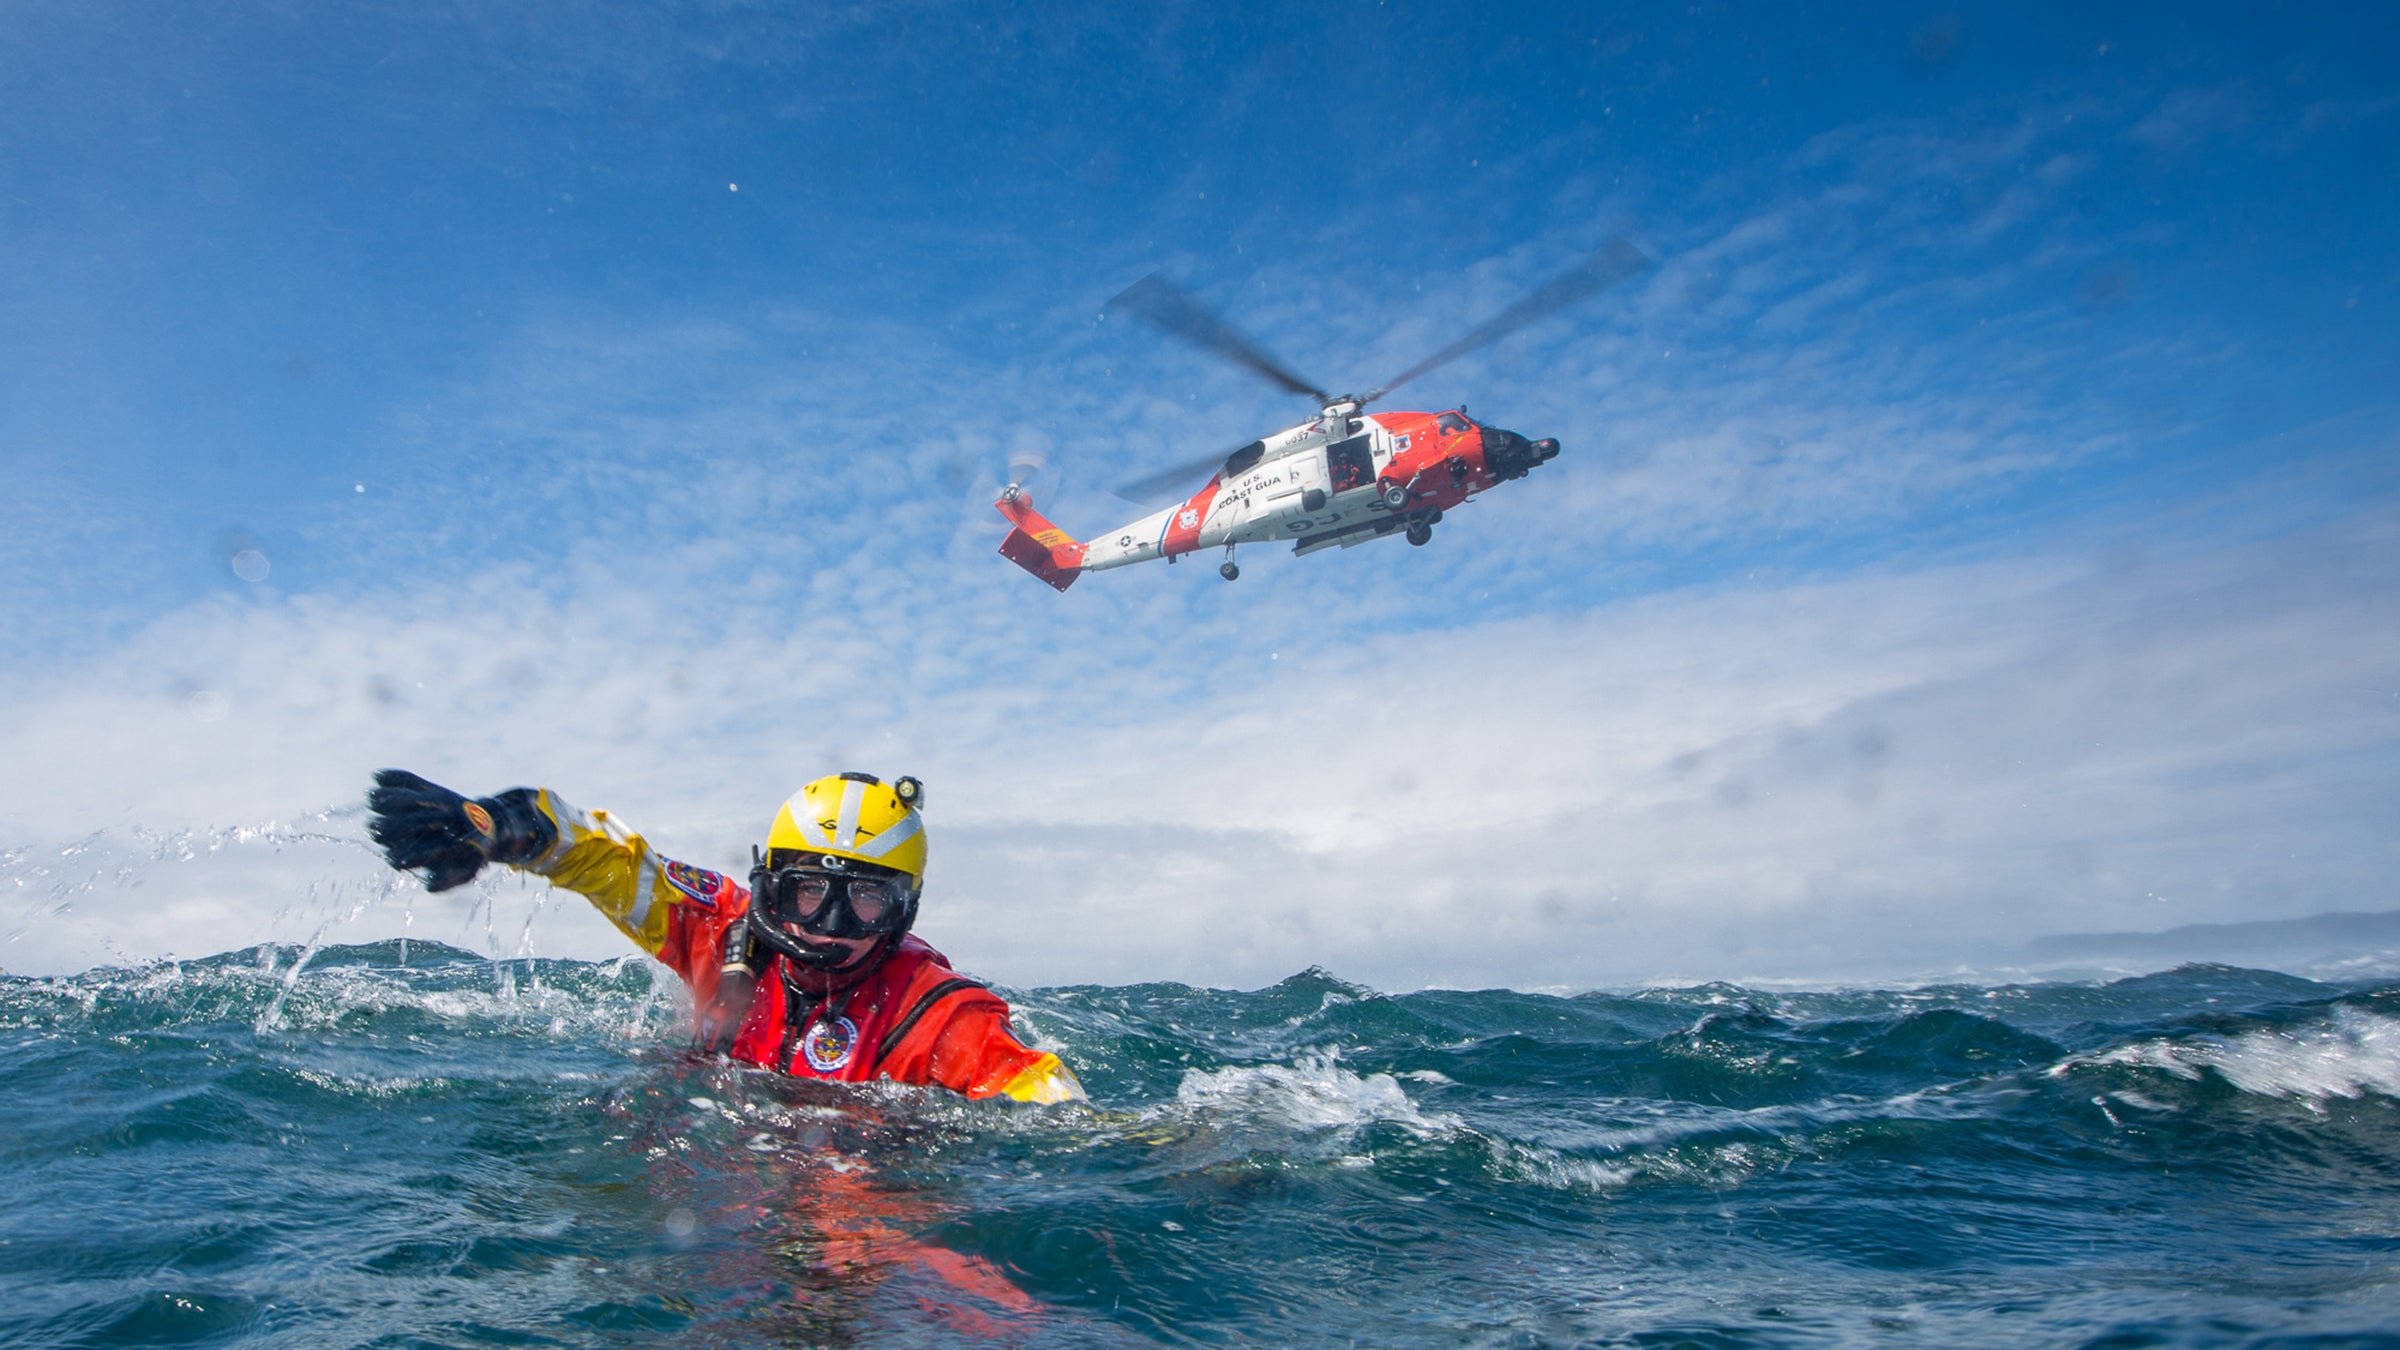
x: 700, y: 884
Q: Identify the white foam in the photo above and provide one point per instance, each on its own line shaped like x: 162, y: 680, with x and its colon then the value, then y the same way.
x: 2349, y: 1056
x: 1314, y: 1094
x: 1711, y: 1145
x: 1549, y: 1168
x: 370, y: 1085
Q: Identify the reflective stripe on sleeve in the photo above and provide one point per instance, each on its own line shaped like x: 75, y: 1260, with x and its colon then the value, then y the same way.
x: 568, y: 824
x: 645, y: 890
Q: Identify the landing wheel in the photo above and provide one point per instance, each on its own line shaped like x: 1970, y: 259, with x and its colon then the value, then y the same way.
x: 1420, y: 534
x: 1394, y: 495
x: 1229, y: 571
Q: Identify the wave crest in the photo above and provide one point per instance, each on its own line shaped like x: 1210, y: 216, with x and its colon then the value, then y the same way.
x: 2350, y: 1055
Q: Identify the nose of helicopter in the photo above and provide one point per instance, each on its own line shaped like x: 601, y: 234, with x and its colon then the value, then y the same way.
x: 1510, y: 455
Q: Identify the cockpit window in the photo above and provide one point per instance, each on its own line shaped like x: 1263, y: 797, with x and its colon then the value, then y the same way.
x: 1452, y: 423
x: 1243, y: 458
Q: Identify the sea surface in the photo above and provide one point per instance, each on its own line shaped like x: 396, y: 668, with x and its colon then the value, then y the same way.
x: 378, y: 1146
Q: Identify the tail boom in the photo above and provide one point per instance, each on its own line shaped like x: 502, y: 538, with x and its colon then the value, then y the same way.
x: 1037, y: 545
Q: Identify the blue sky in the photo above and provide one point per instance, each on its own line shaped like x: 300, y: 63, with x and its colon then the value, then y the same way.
x: 1978, y: 525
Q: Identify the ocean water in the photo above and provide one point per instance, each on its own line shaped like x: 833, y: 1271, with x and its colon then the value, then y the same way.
x: 378, y: 1147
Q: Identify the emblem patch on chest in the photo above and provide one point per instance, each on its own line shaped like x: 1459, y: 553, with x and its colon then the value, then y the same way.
x: 828, y: 1045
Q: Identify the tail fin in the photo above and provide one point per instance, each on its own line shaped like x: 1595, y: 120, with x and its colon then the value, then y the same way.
x: 1037, y: 545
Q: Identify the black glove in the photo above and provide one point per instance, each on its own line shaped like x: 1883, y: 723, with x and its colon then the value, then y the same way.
x: 428, y: 829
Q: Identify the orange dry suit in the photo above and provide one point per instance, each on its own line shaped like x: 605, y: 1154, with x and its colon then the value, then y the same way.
x: 908, y: 1017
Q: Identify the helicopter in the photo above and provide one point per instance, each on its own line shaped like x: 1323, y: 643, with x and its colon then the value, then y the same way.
x: 1341, y: 478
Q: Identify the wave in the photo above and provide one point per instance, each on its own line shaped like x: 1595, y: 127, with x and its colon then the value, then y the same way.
x: 407, y: 1129
x: 1315, y: 1052
x: 2348, y: 1054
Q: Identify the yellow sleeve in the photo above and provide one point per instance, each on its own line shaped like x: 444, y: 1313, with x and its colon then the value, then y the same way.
x: 614, y: 868
x: 1046, y: 1080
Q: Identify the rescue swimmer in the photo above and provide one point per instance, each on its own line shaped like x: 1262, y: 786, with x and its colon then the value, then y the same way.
x: 810, y: 969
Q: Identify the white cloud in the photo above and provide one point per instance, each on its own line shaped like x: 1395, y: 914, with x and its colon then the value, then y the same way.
x: 1900, y: 767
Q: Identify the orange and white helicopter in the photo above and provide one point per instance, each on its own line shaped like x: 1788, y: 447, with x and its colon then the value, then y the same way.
x: 1341, y: 478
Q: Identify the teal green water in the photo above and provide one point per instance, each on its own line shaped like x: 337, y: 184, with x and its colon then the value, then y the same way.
x: 452, y: 1151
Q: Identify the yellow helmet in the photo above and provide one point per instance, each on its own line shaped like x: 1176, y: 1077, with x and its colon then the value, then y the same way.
x: 855, y: 816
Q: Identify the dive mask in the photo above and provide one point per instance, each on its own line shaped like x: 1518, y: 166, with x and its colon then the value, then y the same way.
x: 829, y: 896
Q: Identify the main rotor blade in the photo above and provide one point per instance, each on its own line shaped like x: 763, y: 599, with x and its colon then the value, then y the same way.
x: 1148, y: 491
x: 1615, y: 261
x: 1158, y: 300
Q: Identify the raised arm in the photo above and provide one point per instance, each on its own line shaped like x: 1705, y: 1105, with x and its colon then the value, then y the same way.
x: 674, y: 911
